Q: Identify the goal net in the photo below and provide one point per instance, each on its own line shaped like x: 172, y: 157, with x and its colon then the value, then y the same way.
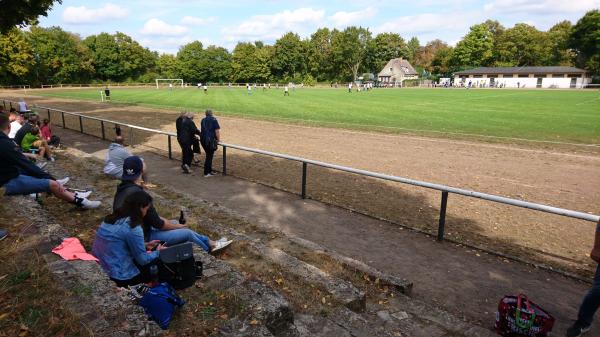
x: 168, y: 82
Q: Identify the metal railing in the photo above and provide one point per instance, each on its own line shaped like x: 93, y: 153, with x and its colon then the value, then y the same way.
x: 445, y: 190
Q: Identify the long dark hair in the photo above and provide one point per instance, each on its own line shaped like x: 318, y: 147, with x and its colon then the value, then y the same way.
x: 132, y: 208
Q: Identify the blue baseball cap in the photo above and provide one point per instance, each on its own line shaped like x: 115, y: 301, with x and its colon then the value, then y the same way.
x: 132, y: 168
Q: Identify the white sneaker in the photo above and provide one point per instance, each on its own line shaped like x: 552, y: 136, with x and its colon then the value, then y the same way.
x: 63, y: 181
x: 220, y: 245
x: 223, y: 239
x: 209, y: 175
x: 88, y: 204
x: 83, y: 195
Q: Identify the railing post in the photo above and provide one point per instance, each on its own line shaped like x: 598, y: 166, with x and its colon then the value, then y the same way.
x: 102, y: 126
x: 304, y: 165
x: 224, y: 160
x: 80, y: 124
x: 49, y: 119
x: 10, y: 102
x: 169, y: 145
x: 442, y: 223
x: 4, y: 104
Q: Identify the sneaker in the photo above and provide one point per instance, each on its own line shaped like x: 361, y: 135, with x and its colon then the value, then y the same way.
x: 209, y: 175
x: 186, y: 169
x: 577, y: 329
x: 220, y: 245
x: 3, y: 234
x: 83, y: 195
x: 63, y: 181
x: 214, y: 173
x: 89, y: 204
x: 223, y: 239
x: 41, y: 165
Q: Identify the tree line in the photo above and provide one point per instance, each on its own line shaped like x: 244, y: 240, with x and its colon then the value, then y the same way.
x: 51, y: 55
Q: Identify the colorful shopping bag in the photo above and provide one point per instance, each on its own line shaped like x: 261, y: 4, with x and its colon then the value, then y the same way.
x: 519, y: 317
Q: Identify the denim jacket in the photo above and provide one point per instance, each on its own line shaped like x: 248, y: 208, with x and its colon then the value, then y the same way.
x: 118, y: 245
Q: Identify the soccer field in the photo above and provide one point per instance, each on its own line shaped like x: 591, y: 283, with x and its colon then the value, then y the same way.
x: 569, y: 116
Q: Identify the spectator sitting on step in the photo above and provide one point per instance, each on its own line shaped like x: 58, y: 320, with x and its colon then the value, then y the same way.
x: 32, y: 141
x: 16, y: 121
x: 20, y: 176
x: 156, y: 227
x: 47, y: 135
x: 23, y: 108
x: 115, y: 157
x: 26, y: 128
x: 119, y: 242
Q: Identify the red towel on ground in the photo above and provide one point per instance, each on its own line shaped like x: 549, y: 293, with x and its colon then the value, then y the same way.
x: 71, y: 249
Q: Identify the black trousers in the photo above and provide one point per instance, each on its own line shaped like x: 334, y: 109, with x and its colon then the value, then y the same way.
x: 187, y: 155
x: 209, y: 159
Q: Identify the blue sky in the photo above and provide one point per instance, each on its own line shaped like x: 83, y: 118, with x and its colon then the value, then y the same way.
x: 165, y: 25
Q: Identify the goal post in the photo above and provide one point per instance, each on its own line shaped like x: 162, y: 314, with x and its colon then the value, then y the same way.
x: 167, y: 81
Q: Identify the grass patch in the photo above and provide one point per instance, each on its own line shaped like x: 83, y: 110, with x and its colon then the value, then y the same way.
x: 549, y: 115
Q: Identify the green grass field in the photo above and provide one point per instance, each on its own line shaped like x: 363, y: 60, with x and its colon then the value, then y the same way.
x: 569, y: 116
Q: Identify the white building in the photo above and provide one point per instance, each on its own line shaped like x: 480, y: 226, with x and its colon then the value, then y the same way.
x: 523, y: 77
x: 395, y: 72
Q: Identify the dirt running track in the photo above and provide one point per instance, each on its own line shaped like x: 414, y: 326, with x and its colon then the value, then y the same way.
x: 567, y: 177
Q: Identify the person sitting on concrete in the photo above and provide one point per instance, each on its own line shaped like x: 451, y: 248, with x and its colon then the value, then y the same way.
x: 156, y: 227
x: 115, y: 157
x: 26, y: 128
x: 16, y: 122
x: 46, y: 133
x: 20, y: 176
x: 119, y: 242
x: 33, y: 142
x: 23, y: 108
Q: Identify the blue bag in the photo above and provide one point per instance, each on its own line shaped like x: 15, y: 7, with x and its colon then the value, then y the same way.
x: 160, y: 303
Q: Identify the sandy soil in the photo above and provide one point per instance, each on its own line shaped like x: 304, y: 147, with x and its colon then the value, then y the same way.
x: 566, y: 177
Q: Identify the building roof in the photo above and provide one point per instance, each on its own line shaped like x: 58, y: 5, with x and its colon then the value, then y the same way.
x: 397, y: 65
x: 521, y: 70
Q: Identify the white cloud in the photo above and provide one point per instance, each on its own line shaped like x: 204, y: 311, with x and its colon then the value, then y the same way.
x: 344, y: 19
x: 425, y: 23
x: 271, y: 27
x: 160, y: 28
x: 84, y: 15
x: 193, y: 21
x: 539, y: 7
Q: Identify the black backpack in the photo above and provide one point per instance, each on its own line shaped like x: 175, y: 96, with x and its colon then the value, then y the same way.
x: 178, y: 267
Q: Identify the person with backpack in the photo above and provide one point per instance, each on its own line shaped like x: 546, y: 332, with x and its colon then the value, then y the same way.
x: 154, y: 226
x: 591, y: 301
x: 210, y: 135
x: 119, y: 243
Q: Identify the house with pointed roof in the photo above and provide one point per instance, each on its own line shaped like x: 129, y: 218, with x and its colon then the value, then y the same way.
x: 395, y: 72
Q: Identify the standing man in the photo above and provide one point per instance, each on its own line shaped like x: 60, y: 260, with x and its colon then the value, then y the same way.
x: 210, y: 136
x: 591, y: 301
x: 186, y: 133
x: 286, y: 91
x: 205, y: 87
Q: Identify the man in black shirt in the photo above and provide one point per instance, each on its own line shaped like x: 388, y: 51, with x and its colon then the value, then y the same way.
x: 186, y: 133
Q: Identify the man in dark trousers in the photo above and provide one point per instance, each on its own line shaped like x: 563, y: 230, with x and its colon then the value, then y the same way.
x: 186, y: 133
x: 210, y: 136
x: 591, y: 301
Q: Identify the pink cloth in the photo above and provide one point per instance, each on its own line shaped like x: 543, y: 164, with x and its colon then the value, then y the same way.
x: 71, y: 249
